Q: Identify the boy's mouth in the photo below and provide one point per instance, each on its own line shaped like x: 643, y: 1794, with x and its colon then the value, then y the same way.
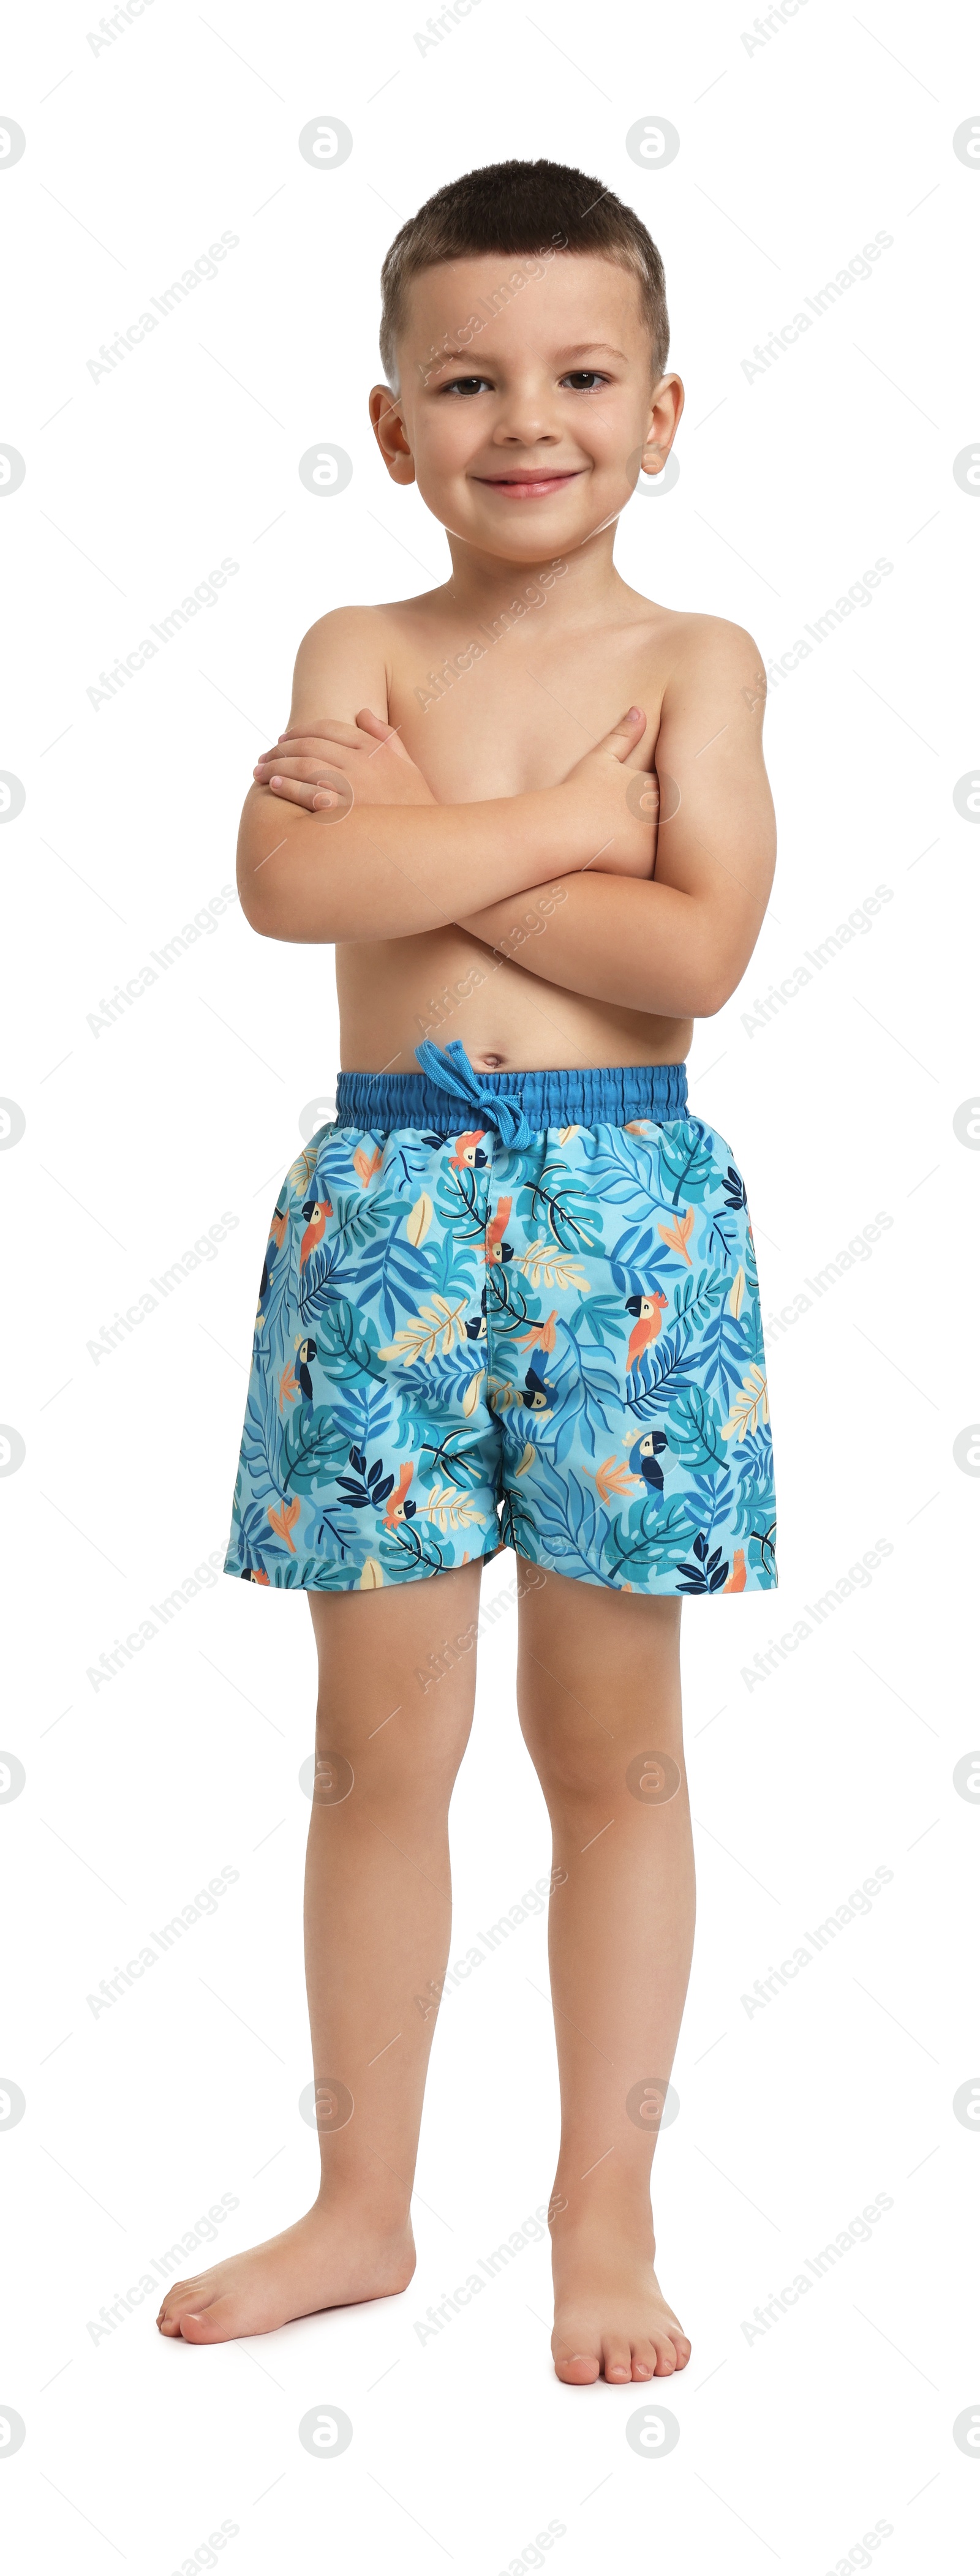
x: 530, y: 483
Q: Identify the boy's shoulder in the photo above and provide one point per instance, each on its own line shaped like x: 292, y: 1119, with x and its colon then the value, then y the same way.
x: 694, y: 635
x: 691, y: 660
x: 352, y: 657
x: 343, y: 663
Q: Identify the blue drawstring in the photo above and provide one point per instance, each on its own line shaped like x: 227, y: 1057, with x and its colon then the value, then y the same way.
x: 451, y: 1069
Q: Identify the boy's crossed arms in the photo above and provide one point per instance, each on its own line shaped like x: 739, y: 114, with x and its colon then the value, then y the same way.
x: 676, y: 942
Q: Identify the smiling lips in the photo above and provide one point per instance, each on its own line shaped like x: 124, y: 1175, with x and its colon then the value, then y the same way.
x: 529, y: 486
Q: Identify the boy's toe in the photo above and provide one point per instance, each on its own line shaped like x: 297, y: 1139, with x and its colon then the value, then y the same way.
x: 205, y: 2324
x: 644, y: 2360
x: 578, y: 2369
x: 617, y: 2360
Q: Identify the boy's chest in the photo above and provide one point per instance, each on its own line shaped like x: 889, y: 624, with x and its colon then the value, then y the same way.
x: 513, y: 708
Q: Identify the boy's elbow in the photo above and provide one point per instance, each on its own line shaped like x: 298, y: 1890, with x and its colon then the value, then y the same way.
x: 263, y: 886
x: 711, y: 996
x: 259, y: 906
x: 715, y: 983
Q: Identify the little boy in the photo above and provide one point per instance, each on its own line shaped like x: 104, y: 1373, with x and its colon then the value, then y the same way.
x: 510, y: 1296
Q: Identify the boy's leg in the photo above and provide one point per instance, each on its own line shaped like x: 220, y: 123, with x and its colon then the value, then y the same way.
x: 377, y: 1924
x: 599, y: 1690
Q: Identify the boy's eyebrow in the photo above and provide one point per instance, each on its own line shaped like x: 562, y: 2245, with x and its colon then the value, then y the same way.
x: 583, y: 349
x: 590, y: 349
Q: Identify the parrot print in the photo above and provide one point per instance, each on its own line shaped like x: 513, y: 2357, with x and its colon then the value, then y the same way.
x: 462, y: 1346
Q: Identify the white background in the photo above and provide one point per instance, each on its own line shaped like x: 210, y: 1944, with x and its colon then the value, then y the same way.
x: 139, y: 1135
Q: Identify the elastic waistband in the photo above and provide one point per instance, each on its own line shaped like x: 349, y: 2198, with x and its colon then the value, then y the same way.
x: 591, y: 1096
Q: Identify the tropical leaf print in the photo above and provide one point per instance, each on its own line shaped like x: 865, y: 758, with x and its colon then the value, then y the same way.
x: 436, y: 1328
x: 676, y: 1235
x: 311, y: 1449
x: 545, y: 1267
x: 614, y: 1477
x: 419, y: 1219
x: 686, y: 1159
x: 465, y: 1318
x: 344, y: 1349
x: 301, y: 1172
x: 695, y: 1299
x: 449, y: 1508
x: 696, y: 1433
x: 750, y: 1407
x: 282, y: 1518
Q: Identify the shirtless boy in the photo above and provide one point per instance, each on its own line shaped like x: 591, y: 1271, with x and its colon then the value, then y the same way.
x: 510, y: 1296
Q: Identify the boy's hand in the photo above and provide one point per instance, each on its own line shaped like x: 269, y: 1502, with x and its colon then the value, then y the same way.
x: 319, y: 765
x: 617, y: 806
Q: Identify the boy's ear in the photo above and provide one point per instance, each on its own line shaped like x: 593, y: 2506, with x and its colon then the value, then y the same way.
x: 666, y: 407
x: 389, y: 430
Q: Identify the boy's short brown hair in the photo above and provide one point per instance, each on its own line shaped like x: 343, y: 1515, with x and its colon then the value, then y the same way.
x: 522, y: 208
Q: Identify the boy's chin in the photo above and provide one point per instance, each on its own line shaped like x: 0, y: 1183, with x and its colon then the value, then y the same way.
x: 532, y: 532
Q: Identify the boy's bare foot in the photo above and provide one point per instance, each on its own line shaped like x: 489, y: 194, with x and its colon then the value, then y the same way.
x: 611, y: 2316
x: 332, y: 2258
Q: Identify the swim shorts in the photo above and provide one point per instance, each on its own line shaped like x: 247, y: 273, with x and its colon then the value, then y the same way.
x: 517, y: 1310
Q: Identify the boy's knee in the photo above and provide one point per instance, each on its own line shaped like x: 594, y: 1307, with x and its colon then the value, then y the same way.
x: 567, y: 1763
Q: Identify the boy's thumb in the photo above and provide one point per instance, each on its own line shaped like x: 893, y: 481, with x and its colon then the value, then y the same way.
x: 382, y: 731
x: 625, y: 734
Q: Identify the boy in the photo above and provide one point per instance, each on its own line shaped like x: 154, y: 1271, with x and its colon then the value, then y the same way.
x: 511, y: 1296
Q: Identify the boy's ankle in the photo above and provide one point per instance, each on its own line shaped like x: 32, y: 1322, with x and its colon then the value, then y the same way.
x: 379, y: 2209
x: 600, y: 2202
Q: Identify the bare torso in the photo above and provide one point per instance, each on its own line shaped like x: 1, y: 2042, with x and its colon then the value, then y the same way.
x: 517, y: 719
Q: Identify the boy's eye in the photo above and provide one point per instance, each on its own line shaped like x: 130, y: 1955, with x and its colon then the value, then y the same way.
x: 582, y: 379
x: 465, y: 385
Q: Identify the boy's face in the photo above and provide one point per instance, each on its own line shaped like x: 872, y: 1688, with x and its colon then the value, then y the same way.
x: 525, y: 408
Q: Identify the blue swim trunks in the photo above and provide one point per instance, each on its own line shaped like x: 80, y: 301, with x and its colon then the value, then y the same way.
x: 512, y: 1309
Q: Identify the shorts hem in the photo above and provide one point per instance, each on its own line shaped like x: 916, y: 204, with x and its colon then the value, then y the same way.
x: 286, y: 1578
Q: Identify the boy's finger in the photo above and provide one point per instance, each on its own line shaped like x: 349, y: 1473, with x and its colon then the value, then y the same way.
x: 382, y: 731
x: 293, y: 768
x: 304, y: 747
x: 329, y: 729
x: 626, y: 733
x: 294, y: 791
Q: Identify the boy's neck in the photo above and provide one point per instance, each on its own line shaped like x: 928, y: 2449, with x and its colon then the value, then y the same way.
x: 483, y: 584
